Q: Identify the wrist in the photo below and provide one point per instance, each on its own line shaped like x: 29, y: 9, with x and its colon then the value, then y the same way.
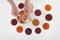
x: 10, y: 1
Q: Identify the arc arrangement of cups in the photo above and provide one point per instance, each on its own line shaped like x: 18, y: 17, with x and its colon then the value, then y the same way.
x: 35, y: 22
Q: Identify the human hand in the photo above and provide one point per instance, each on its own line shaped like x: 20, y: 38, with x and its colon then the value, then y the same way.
x: 28, y: 9
x: 14, y: 8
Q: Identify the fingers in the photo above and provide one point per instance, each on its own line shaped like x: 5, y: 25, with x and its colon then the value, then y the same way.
x: 13, y: 13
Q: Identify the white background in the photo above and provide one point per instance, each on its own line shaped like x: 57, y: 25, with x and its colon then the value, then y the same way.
x: 8, y: 32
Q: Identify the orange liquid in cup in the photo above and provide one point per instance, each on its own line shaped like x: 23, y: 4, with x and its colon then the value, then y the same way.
x: 35, y: 22
x: 46, y: 26
x: 48, y: 7
x: 19, y: 29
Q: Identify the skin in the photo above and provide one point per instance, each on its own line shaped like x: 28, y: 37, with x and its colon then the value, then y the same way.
x: 14, y: 8
x: 28, y: 9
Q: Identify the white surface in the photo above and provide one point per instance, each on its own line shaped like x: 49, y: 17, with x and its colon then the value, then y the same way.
x: 8, y: 32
